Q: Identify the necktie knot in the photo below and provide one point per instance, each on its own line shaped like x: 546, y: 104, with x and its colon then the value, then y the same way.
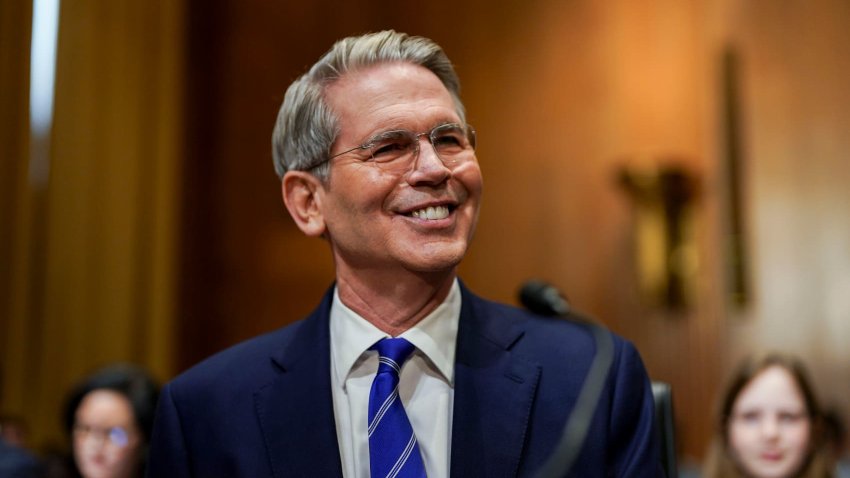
x: 392, y: 354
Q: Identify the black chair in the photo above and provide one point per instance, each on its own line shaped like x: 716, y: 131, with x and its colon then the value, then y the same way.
x: 665, y: 429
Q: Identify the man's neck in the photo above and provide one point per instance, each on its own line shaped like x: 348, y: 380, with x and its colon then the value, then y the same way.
x: 392, y: 303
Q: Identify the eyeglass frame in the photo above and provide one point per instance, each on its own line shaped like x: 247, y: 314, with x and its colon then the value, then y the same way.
x: 469, y: 133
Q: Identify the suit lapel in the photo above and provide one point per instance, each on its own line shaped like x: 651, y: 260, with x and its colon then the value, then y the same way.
x: 295, y: 410
x: 494, y: 392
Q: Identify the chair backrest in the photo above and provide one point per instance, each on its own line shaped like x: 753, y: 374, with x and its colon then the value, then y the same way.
x: 665, y: 428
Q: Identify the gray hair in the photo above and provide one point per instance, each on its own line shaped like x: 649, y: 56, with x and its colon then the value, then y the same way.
x: 307, y: 127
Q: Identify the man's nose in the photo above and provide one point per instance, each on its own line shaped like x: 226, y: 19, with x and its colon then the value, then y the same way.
x: 427, y: 165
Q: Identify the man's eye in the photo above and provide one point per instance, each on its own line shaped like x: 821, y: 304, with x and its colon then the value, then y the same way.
x: 389, y: 149
x: 448, y: 140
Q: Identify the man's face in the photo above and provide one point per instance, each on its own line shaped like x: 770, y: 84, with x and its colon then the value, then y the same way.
x: 418, y: 219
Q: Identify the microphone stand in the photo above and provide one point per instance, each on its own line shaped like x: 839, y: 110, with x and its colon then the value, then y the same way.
x: 561, y: 461
x: 545, y: 299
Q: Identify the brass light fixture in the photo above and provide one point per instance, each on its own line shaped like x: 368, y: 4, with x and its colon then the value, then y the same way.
x: 665, y: 251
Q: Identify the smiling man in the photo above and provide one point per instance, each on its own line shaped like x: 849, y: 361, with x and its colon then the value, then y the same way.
x: 401, y: 370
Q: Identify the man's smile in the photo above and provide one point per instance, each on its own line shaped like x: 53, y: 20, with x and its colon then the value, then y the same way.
x: 431, y: 213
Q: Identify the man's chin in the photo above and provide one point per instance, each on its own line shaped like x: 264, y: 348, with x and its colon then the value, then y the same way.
x: 443, y: 262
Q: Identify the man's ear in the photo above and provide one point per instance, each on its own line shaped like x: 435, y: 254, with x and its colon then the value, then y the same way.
x: 302, y: 194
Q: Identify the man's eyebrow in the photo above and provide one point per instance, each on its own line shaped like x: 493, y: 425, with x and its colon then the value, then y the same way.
x: 445, y: 121
x: 393, y: 126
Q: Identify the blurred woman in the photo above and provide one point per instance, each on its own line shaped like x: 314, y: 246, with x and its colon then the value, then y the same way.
x: 109, y: 416
x: 769, y: 424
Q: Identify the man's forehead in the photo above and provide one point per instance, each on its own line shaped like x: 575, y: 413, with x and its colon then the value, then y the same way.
x: 379, y: 76
x: 390, y: 95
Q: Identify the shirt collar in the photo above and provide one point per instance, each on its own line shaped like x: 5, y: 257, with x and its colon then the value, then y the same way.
x: 435, y: 336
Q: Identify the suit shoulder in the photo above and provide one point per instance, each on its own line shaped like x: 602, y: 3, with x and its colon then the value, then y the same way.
x: 245, y: 362
x: 571, y: 335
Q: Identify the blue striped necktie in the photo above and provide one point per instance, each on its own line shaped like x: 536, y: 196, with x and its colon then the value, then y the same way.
x: 393, y: 450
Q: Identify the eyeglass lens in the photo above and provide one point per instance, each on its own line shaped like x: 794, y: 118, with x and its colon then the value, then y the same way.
x: 450, y: 142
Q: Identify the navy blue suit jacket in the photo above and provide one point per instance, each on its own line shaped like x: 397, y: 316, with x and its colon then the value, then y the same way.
x: 264, y: 408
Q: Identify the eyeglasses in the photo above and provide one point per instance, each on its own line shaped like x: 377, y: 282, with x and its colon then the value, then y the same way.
x: 396, y: 150
x: 116, y: 436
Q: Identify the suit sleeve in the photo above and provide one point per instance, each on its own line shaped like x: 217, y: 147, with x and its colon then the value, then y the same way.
x: 167, y: 455
x: 633, y: 442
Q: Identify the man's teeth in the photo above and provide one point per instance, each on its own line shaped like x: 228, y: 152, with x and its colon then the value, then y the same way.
x: 430, y: 213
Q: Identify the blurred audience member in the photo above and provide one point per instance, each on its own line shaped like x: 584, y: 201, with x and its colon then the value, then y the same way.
x: 769, y: 424
x: 109, y: 417
x: 16, y: 462
x: 14, y: 431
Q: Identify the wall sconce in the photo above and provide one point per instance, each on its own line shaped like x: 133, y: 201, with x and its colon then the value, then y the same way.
x: 665, y: 250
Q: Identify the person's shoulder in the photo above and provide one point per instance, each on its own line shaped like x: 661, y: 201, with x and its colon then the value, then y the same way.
x: 238, y: 366
x: 574, y: 326
x: 570, y: 337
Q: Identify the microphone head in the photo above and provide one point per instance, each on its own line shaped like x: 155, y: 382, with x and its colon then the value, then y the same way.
x: 543, y: 298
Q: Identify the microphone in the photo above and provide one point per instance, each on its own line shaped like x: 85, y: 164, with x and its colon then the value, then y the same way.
x: 543, y: 299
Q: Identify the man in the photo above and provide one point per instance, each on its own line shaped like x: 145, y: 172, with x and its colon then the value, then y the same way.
x: 376, y: 158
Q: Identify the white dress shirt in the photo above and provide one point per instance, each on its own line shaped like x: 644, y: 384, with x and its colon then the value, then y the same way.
x: 426, y: 385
